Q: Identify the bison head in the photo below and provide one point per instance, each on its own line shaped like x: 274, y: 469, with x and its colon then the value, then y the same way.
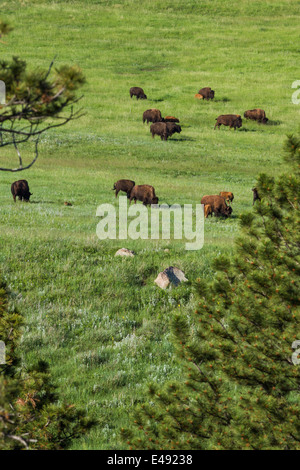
x: 154, y: 200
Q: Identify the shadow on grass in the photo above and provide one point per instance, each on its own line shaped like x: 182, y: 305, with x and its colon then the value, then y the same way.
x: 222, y: 100
x: 182, y: 139
x: 273, y: 123
x: 44, y: 202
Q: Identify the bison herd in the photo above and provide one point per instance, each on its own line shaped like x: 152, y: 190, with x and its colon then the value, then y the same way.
x: 219, y: 205
x: 164, y: 131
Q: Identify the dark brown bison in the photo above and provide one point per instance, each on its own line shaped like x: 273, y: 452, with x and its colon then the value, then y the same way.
x: 172, y: 127
x: 207, y: 93
x: 161, y: 129
x: 171, y: 119
x: 256, y: 115
x: 124, y: 185
x: 144, y: 193
x: 255, y: 195
x: 138, y: 92
x: 20, y: 189
x: 228, y: 196
x: 152, y: 115
x: 218, y: 205
x: 231, y: 120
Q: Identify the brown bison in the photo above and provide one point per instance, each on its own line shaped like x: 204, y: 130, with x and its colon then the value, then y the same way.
x: 123, y: 185
x: 161, y: 129
x: 231, y: 120
x: 256, y: 115
x: 20, y: 189
x: 207, y: 93
x: 208, y: 210
x: 198, y: 96
x: 171, y: 119
x: 138, y: 92
x: 144, y: 193
x: 218, y: 205
x: 255, y: 195
x: 152, y: 115
x: 228, y: 196
x: 172, y: 128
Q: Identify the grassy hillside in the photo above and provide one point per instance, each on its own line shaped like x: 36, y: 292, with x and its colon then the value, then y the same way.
x: 99, y: 320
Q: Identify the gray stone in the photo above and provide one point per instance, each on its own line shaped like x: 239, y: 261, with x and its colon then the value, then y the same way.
x: 170, y: 277
x: 125, y: 252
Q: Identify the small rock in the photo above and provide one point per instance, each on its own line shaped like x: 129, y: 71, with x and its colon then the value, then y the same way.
x: 171, y: 275
x: 166, y: 250
x: 125, y: 252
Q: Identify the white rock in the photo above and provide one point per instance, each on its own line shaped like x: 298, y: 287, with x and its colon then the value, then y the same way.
x: 170, y: 276
x: 125, y: 252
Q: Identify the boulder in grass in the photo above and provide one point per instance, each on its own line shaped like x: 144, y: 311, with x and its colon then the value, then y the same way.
x: 125, y: 252
x: 170, y: 277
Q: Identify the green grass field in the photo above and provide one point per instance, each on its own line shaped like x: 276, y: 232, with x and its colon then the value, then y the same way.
x: 98, y: 320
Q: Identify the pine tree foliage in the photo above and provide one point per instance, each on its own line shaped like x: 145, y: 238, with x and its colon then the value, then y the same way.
x: 31, y: 413
x: 241, y: 386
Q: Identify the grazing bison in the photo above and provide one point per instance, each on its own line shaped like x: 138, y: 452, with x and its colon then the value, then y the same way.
x: 20, y: 189
x: 207, y: 93
x: 198, y: 96
x: 255, y: 195
x: 171, y: 119
x: 231, y: 120
x: 152, y: 115
x: 218, y: 205
x: 161, y: 129
x: 172, y: 128
x: 123, y: 185
x: 256, y: 115
x: 138, y: 92
x: 208, y: 210
x: 228, y: 196
x: 144, y: 193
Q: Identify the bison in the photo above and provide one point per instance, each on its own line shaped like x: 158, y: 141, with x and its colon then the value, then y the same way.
x: 171, y: 119
x: 138, y: 92
x: 255, y: 195
x: 20, y: 189
x: 144, y: 193
x: 207, y: 93
x: 172, y: 128
x: 161, y: 129
x: 152, y: 115
x: 198, y: 96
x: 123, y: 185
x: 231, y: 120
x: 228, y: 196
x: 208, y: 210
x: 257, y: 114
x: 218, y: 205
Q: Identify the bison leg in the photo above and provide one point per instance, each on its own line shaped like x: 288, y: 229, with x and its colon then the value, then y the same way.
x: 117, y: 191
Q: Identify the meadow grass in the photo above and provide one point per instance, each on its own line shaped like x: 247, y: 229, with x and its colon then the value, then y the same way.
x: 99, y: 320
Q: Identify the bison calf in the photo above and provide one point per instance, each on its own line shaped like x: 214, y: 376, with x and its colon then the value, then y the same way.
x: 123, y: 185
x: 171, y: 119
x: 138, y: 92
x: 208, y: 210
x: 231, y: 120
x: 227, y: 195
x: 144, y: 193
x: 20, y: 189
x: 218, y: 205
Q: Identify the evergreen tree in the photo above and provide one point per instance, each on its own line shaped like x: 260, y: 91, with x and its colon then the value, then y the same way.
x: 241, y: 386
x: 31, y: 414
